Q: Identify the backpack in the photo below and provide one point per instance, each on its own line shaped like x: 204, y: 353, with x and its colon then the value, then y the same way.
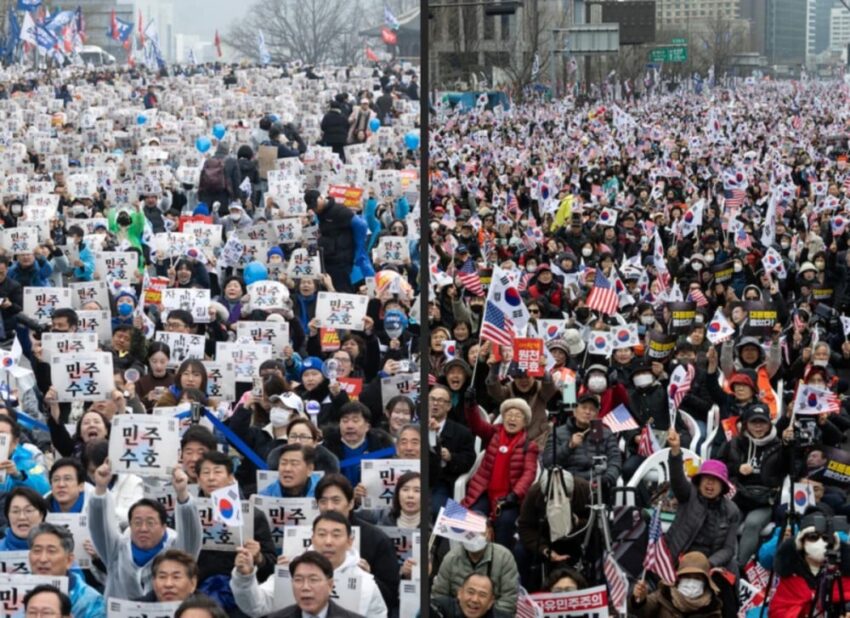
x: 213, y: 178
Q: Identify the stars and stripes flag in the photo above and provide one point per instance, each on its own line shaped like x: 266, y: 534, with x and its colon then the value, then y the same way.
x: 526, y: 607
x: 812, y: 399
x: 457, y: 516
x: 658, y: 558
x: 742, y: 239
x: 603, y: 296
x: 735, y: 197
x: 698, y: 297
x: 619, y: 419
x: 647, y: 444
x: 618, y: 584
x: 496, y: 327
x: 680, y: 384
x: 470, y: 279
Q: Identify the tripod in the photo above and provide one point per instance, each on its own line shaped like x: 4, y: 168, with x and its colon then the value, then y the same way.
x: 823, y: 597
x: 597, y: 535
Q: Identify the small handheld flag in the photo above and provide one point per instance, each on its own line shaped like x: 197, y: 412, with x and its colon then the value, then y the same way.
x: 227, y: 507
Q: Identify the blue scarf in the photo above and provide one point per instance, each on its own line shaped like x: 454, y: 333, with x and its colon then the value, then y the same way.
x: 303, y: 302
x: 176, y: 391
x: 13, y: 542
x: 77, y: 507
x: 142, y: 556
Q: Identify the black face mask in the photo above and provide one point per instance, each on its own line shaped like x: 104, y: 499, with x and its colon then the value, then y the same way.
x: 124, y: 220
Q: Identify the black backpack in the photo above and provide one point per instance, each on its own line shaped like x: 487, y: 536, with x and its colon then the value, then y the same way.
x: 213, y: 177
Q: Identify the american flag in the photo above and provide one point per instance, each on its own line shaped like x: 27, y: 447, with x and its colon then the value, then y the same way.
x: 619, y: 419
x: 603, y: 296
x: 742, y: 239
x: 526, y: 607
x: 648, y: 444
x: 456, y: 516
x: 523, y: 282
x: 658, y: 558
x: 735, y: 198
x: 698, y: 297
x: 513, y: 204
x: 496, y: 326
x: 618, y: 584
x: 470, y: 279
x: 680, y: 384
x: 799, y: 324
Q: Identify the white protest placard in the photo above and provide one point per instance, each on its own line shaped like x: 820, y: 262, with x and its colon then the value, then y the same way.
x: 194, y: 300
x: 402, y: 539
x: 15, y: 184
x: 231, y: 253
x: 415, y: 553
x: 20, y: 240
x: 119, y: 266
x: 87, y: 291
x: 81, y: 185
x: 252, y: 250
x: 15, y: 562
x: 296, y: 539
x: 581, y: 603
x: 120, y: 608
x: 220, y: 380
x: 268, y: 295
x: 172, y: 244
x: 78, y: 525
x: 82, y: 376
x: 346, y: 590
x: 379, y: 476
x: 287, y: 230
x: 409, y: 599
x: 285, y: 512
x: 95, y: 321
x: 392, y: 250
x: 182, y: 346
x: 66, y: 343
x: 399, y: 384
x: 4, y: 453
x: 219, y: 536
x: 246, y: 359
x: 387, y: 184
x: 144, y: 445
x: 162, y: 491
x: 345, y: 311
x: 276, y: 334
x: 302, y: 265
x: 39, y: 303
x: 207, y: 235
x: 14, y: 587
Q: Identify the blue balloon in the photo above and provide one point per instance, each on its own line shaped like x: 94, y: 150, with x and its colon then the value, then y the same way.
x: 203, y: 144
x: 254, y: 272
x: 274, y: 117
x: 141, y: 119
x: 219, y: 130
x: 118, y: 152
x: 374, y: 125
x: 411, y: 140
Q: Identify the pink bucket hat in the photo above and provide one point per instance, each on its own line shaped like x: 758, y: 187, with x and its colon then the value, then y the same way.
x: 717, y: 469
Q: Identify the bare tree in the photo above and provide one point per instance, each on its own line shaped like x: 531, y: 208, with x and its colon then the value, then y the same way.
x: 313, y: 31
x: 459, y: 25
x: 721, y: 40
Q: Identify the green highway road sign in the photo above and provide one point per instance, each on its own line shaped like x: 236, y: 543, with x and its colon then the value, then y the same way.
x: 678, y: 42
x: 669, y: 54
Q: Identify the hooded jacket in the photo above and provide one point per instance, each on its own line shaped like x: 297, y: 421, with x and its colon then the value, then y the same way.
x: 660, y: 604
x: 126, y: 580
x: 256, y: 599
x: 797, y: 584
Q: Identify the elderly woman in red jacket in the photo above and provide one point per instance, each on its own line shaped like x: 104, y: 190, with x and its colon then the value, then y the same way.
x: 507, y: 471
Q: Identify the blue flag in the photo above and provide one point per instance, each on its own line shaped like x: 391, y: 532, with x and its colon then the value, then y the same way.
x: 46, y: 40
x: 125, y: 29
x: 390, y: 19
x: 28, y: 5
x: 14, y: 36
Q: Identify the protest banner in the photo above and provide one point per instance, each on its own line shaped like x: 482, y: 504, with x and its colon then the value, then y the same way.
x: 19, y: 240
x: 90, y: 291
x: 194, y: 300
x: 160, y: 489
x: 14, y: 587
x: 661, y: 346
x: 245, y: 358
x: 836, y: 470
x: 220, y: 536
x: 66, y: 343
x: 82, y: 376
x: 379, y: 477
x: 392, y: 250
x: 302, y: 265
x: 182, y: 346
x: 297, y: 539
x: 346, y: 311
x: 287, y: 230
x: 352, y: 197
x: 284, y: 512
x: 528, y: 356
x: 268, y: 295
x: 121, y: 608
x: 144, y: 445
x: 120, y: 266
x: 402, y: 539
x: 682, y: 316
x: 220, y: 380
x: 78, y: 525
x: 15, y: 562
x: 409, y: 597
x: 154, y: 287
x: 400, y: 384
x: 40, y: 303
x: 95, y: 321
x: 585, y: 603
x: 761, y: 318
x: 275, y: 334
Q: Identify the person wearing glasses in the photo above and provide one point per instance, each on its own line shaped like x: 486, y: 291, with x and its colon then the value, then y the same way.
x: 301, y: 430
x: 24, y: 510
x: 332, y: 539
x: 51, y: 553
x: 46, y: 601
x: 451, y: 448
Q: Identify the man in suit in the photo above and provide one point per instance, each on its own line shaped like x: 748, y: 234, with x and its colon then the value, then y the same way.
x: 450, y: 445
x: 312, y: 582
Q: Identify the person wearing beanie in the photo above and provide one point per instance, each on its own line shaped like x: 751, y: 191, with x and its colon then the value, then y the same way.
x: 706, y: 520
x: 201, y: 210
x: 275, y: 255
x: 801, y: 564
x: 693, y: 593
x: 316, y: 390
x: 507, y: 471
x: 248, y: 168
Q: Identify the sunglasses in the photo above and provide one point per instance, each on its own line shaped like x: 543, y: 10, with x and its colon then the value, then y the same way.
x: 811, y: 537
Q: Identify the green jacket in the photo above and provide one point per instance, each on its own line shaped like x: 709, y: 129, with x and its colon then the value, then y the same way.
x: 497, y: 563
x: 133, y: 234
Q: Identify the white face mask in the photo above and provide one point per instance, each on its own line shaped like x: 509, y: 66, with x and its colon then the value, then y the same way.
x: 475, y: 544
x: 737, y: 267
x: 587, y: 252
x: 697, y: 266
x: 642, y: 380
x: 597, y: 384
x: 816, y: 550
x: 709, y: 257
x: 690, y: 587
x: 817, y: 362
x: 785, y: 245
x: 647, y: 320
x: 279, y: 417
x: 235, y: 216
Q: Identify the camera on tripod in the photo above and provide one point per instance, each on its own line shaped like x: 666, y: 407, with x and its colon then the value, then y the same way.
x: 600, y: 464
x: 805, y: 433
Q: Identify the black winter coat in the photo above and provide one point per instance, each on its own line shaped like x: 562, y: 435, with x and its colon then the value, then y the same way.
x: 579, y: 460
x: 336, y: 239
x: 334, y: 128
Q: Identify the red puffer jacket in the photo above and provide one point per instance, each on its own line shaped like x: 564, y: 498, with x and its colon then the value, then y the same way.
x: 523, y: 463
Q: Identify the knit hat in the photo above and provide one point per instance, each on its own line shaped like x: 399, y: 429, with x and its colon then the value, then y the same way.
x: 126, y: 293
x: 517, y: 404
x: 201, y: 209
x: 457, y: 362
x: 809, y: 524
x: 311, y: 362
x: 275, y: 251
x: 716, y: 469
x: 558, y: 344
x: 742, y: 378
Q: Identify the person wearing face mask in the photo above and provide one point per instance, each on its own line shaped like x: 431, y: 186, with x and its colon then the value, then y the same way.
x: 751, y: 356
x: 128, y: 225
x: 236, y: 219
x: 693, y: 593
x: 802, y: 568
x: 757, y: 462
x: 646, y: 318
x: 706, y: 520
x: 610, y: 394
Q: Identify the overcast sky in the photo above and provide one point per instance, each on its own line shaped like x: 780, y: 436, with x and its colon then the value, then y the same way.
x: 202, y: 17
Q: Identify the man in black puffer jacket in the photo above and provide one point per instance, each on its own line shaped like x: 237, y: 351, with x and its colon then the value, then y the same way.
x: 336, y: 238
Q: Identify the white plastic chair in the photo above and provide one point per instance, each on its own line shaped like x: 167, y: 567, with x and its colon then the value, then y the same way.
x: 463, y: 480
x: 693, y: 429
x: 712, y: 426
x: 656, y: 466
